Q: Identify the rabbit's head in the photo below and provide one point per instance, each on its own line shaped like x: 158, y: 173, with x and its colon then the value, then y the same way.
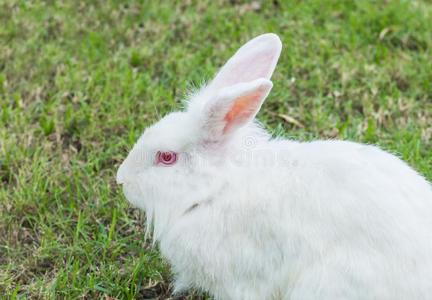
x: 178, y: 162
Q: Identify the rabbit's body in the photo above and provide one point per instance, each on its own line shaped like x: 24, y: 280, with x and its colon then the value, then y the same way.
x: 321, y: 224
x: 244, y: 216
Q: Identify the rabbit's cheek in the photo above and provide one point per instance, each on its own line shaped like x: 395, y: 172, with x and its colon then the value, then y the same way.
x: 157, y: 181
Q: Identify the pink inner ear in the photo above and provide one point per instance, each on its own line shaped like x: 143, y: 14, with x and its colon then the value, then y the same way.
x: 245, y: 69
x: 243, y: 109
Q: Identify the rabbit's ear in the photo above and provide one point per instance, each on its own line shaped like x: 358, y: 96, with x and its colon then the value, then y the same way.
x: 234, y: 107
x: 255, y: 59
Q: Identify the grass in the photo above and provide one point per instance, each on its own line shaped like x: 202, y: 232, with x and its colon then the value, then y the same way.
x: 80, y: 80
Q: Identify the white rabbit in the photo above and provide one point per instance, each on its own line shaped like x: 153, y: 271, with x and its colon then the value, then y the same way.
x: 244, y: 216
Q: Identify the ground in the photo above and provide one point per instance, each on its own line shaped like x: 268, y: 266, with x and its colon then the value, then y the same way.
x: 80, y: 80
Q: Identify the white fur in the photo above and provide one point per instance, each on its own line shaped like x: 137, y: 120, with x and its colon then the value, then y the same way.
x: 244, y: 216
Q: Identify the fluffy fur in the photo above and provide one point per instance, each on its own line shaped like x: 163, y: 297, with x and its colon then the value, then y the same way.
x: 244, y: 216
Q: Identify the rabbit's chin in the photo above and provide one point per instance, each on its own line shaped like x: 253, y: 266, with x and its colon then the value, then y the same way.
x: 160, y: 216
x: 133, y: 195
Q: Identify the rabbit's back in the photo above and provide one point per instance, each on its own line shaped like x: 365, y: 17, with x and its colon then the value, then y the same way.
x: 349, y: 187
x: 364, y: 219
x: 364, y: 174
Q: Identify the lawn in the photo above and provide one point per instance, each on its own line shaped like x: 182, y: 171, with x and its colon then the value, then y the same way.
x: 80, y: 80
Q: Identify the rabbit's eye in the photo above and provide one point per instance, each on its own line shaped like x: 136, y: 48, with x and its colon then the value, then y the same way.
x: 166, y: 158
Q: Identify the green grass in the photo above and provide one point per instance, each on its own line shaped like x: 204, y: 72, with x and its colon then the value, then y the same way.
x: 79, y: 81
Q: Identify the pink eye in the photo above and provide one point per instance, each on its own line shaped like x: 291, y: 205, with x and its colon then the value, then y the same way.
x: 166, y: 157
